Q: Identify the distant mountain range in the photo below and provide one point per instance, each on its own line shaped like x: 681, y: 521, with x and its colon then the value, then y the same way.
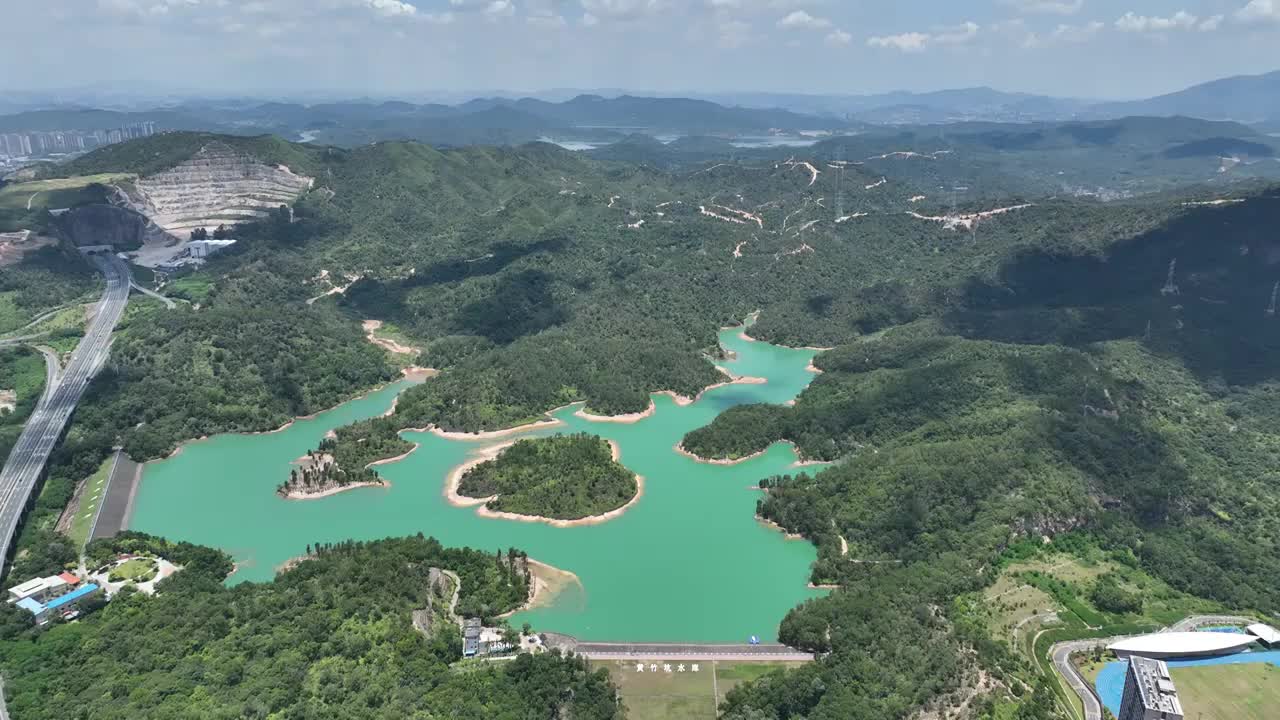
x: 1251, y: 99
x: 596, y: 118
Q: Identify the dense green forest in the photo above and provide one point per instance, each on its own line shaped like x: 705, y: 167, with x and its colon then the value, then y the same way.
x: 22, y: 372
x: 958, y: 449
x: 45, y: 279
x: 331, y: 638
x: 1071, y: 365
x: 564, y: 477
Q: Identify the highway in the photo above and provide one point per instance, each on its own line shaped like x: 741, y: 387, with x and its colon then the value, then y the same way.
x: 44, y: 428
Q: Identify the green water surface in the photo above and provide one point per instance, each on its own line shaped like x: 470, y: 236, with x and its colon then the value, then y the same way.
x: 688, y: 562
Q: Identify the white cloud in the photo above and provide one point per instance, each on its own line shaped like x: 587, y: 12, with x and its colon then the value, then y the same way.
x: 1210, y: 23
x: 906, y: 42
x: 917, y: 41
x: 1075, y: 34
x: 144, y: 8
x: 1064, y: 34
x: 957, y: 35
x: 548, y: 21
x: 1260, y: 11
x: 1132, y: 22
x: 839, y: 38
x: 391, y: 8
x: 801, y: 20
x: 1047, y: 7
x: 623, y: 9
x: 499, y: 8
x: 732, y: 34
x: 488, y: 8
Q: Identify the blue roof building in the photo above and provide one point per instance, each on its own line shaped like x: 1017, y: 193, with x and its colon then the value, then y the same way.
x: 30, y: 606
x: 74, y: 595
x: 60, y: 603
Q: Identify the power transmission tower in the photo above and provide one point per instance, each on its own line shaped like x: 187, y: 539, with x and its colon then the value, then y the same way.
x: 840, y: 185
x: 1170, y: 287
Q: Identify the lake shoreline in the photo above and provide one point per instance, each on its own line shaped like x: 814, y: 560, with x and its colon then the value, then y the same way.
x: 799, y: 463
x: 548, y: 581
x: 668, y: 512
x: 627, y: 419
x: 456, y: 499
x: 331, y: 491
x: 405, y: 375
x: 775, y: 526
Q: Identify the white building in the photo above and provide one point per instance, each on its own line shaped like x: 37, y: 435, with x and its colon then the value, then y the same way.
x: 1182, y: 645
x: 38, y: 589
x: 1267, y: 634
x: 201, y: 249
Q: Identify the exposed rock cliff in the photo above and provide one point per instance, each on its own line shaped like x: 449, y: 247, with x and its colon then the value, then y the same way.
x: 123, y: 228
x: 217, y: 186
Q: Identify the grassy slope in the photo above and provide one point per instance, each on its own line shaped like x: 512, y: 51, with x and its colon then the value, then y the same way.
x: 90, y: 499
x: 687, y: 695
x: 23, y: 205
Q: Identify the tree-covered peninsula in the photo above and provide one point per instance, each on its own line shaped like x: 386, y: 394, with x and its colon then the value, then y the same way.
x: 565, y: 477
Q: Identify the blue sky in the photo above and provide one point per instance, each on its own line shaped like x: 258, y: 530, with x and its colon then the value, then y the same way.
x: 1083, y: 48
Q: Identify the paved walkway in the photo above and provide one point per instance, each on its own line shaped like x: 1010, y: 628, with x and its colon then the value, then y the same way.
x: 691, y: 651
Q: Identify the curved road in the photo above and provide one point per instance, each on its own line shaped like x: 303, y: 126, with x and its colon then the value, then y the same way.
x: 43, y: 429
x: 1062, y: 652
x: 170, y: 304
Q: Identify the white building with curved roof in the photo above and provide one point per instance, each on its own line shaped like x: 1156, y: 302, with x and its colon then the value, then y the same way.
x: 1161, y: 646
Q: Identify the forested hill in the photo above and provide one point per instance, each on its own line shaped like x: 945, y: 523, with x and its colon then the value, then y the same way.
x: 1039, y: 334
x: 331, y: 638
x: 536, y: 277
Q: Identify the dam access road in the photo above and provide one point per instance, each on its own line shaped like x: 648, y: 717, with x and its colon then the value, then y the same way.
x: 61, y: 395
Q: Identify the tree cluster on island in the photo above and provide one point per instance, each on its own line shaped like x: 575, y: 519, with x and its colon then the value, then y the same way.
x: 319, y: 473
x: 563, y: 477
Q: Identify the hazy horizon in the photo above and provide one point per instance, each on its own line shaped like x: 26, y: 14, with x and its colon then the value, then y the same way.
x: 422, y: 48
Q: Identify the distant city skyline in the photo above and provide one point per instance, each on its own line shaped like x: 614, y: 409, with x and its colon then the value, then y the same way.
x: 411, y: 48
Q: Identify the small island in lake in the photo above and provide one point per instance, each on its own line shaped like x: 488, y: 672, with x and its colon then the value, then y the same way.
x: 566, y: 477
x: 317, y: 475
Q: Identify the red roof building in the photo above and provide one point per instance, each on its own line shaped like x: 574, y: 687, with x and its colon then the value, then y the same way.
x: 69, y: 578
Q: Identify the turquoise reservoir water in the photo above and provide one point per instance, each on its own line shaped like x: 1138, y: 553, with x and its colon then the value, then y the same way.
x: 688, y: 562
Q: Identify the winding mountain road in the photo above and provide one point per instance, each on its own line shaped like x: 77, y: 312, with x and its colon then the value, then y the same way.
x: 43, y: 429
x: 168, y: 303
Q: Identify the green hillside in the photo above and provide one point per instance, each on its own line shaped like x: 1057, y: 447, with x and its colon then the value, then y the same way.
x: 331, y: 638
x: 1021, y: 365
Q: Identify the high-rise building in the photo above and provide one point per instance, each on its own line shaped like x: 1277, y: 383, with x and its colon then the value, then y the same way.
x: 1149, y: 693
